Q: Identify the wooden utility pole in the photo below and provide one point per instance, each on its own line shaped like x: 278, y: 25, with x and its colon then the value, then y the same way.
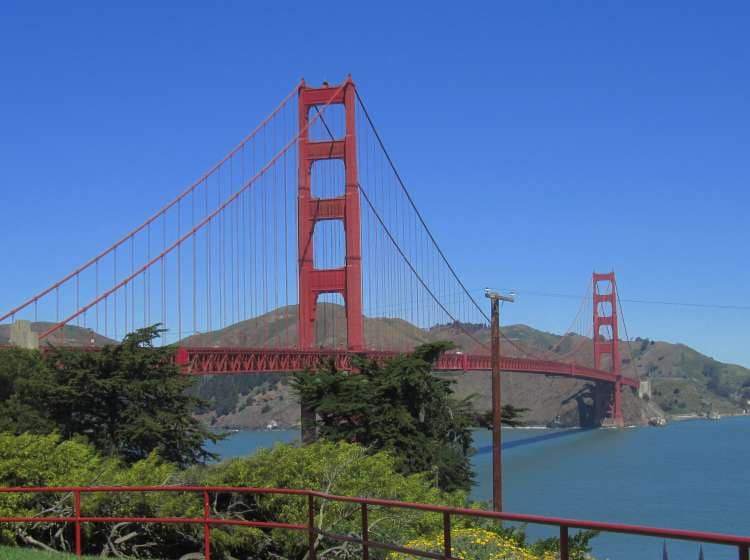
x: 497, y: 404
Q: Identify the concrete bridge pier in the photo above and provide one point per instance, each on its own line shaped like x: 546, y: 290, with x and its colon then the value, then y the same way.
x: 608, y: 404
x: 22, y: 336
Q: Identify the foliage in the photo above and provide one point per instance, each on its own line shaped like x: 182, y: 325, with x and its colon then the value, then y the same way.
x: 510, y: 416
x: 19, y: 407
x: 43, y: 461
x: 49, y: 461
x: 482, y: 543
x: 475, y: 544
x: 579, y: 545
x: 128, y: 399
x: 337, y: 468
x: 397, y: 406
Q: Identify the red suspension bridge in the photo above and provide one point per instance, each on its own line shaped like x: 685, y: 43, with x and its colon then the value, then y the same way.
x: 303, y: 244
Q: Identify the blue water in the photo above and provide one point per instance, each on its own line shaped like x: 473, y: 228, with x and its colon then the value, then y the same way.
x: 245, y: 442
x: 687, y: 475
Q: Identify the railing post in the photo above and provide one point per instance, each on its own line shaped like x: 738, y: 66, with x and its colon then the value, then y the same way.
x: 365, y: 533
x: 743, y: 552
x: 447, y: 548
x: 206, y: 526
x: 77, y: 508
x: 564, y: 553
x: 310, y: 527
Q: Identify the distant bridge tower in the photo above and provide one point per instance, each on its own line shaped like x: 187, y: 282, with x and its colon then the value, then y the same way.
x: 606, y: 343
x: 346, y: 281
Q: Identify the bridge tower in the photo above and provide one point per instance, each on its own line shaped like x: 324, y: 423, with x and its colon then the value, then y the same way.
x: 347, y: 280
x: 606, y: 341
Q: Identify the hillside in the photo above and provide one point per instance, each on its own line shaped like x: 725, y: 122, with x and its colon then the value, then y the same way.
x: 683, y: 380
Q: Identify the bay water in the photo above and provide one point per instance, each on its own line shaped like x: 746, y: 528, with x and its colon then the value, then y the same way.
x: 687, y: 475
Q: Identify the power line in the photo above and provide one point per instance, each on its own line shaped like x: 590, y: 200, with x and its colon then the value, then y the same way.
x: 632, y: 300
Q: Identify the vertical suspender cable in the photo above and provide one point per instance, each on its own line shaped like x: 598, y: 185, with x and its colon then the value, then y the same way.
x: 114, y: 295
x: 96, y: 287
x: 179, y: 272
x: 193, y: 264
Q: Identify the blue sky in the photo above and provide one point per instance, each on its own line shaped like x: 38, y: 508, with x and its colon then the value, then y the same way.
x: 540, y: 140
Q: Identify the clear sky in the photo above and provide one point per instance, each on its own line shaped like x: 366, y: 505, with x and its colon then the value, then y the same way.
x: 541, y: 140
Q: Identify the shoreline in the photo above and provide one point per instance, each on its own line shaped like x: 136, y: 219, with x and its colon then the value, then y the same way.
x: 670, y: 418
x: 696, y: 416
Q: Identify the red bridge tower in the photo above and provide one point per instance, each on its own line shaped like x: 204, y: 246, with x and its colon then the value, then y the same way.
x: 606, y: 345
x: 346, y: 281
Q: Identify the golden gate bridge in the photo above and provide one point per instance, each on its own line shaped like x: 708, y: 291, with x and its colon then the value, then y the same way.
x: 306, y: 238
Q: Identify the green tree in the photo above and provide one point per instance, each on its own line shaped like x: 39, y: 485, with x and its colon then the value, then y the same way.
x: 19, y: 406
x: 127, y: 399
x: 399, y: 407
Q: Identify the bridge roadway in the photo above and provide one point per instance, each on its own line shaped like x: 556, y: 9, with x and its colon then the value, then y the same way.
x: 221, y: 361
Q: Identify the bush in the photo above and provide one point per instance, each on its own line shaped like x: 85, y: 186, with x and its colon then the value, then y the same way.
x: 476, y: 544
x: 48, y: 460
x: 337, y: 468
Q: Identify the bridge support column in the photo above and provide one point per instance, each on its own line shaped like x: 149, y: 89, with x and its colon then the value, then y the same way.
x: 617, y: 406
x: 602, y: 397
x: 606, y: 340
x: 346, y: 281
x: 607, y: 405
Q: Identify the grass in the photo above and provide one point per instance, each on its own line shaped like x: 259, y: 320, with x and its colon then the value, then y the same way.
x: 33, y: 554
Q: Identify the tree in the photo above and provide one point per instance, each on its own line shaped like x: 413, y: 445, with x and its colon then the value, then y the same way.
x: 127, y: 399
x: 399, y: 407
x: 511, y: 416
x: 19, y: 406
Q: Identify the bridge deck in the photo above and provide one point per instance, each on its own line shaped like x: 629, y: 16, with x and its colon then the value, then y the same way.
x: 214, y: 361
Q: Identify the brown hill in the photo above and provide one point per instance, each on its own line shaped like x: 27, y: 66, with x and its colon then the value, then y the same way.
x: 278, y: 328
x: 684, y: 381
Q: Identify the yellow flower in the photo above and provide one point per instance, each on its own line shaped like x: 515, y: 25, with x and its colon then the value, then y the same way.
x: 474, y: 544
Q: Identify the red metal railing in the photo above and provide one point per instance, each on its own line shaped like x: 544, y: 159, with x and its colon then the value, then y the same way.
x: 207, y: 521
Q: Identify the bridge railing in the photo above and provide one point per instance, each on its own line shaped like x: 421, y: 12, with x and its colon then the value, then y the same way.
x: 313, y: 498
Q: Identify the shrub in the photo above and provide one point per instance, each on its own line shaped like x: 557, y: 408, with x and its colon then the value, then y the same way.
x: 476, y: 544
x: 47, y: 460
x: 337, y: 468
